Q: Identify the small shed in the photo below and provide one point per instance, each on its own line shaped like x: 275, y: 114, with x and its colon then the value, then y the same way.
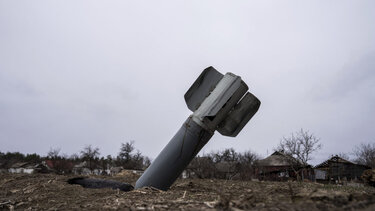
x: 337, y: 168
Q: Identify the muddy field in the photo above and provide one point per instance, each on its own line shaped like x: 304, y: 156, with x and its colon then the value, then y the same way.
x: 51, y: 192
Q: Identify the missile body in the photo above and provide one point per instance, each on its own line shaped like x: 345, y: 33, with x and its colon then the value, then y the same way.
x: 173, y: 159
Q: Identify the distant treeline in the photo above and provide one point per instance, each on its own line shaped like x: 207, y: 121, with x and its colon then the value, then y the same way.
x: 10, y: 158
x: 127, y: 158
x: 220, y: 164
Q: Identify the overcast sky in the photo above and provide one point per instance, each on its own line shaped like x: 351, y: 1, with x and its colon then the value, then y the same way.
x: 74, y: 73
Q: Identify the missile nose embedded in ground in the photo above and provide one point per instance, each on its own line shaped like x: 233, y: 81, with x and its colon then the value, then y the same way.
x: 218, y: 102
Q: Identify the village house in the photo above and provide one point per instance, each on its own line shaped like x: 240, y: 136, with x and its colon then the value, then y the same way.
x: 281, y: 167
x: 337, y: 169
x: 22, y: 167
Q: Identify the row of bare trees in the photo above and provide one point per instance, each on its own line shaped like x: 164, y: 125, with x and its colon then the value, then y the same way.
x: 300, y: 146
x: 224, y: 164
x: 128, y: 158
x: 365, y: 154
x: 10, y: 158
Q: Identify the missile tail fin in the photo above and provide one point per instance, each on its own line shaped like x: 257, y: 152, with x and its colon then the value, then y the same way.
x: 239, y: 116
x: 202, y: 87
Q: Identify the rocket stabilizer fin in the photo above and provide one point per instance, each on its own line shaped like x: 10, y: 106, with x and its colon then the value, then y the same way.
x: 239, y: 116
x: 202, y: 87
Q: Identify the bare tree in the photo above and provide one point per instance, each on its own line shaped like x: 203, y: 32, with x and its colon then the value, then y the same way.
x: 247, y: 161
x: 138, y: 160
x: 110, y: 160
x: 129, y: 159
x: 248, y: 158
x: 54, y: 154
x: 74, y: 157
x: 226, y: 163
x: 125, y: 154
x: 146, y: 162
x: 227, y: 155
x: 343, y: 155
x: 202, y: 167
x: 300, y: 145
x: 365, y: 154
x: 89, y: 154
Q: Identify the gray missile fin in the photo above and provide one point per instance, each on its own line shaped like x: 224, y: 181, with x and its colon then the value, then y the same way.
x: 202, y: 87
x: 239, y: 116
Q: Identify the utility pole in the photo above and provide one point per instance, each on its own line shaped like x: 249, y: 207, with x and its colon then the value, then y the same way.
x: 218, y: 102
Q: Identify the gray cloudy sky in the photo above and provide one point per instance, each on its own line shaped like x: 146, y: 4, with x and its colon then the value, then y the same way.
x: 74, y: 73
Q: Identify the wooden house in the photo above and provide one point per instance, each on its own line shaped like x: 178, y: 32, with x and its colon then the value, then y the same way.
x: 337, y: 168
x: 281, y: 167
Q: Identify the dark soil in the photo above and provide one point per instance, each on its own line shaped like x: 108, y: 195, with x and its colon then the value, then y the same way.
x: 52, y: 192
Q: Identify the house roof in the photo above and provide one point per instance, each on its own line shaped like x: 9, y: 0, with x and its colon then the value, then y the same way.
x: 278, y: 159
x: 52, y: 163
x: 21, y: 165
x: 334, y: 159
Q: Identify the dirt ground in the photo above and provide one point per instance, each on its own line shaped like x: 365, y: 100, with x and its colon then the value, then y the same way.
x: 51, y: 192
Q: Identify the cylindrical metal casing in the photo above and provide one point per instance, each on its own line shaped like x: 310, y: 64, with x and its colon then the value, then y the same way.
x: 174, y: 158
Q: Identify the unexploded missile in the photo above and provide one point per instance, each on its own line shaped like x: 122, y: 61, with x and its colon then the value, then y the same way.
x: 218, y: 102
